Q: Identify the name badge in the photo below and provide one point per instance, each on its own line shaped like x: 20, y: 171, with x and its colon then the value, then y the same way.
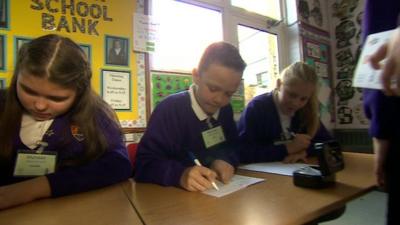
x: 30, y: 163
x: 213, y: 136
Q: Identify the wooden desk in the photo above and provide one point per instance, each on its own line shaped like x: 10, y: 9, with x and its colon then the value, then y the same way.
x: 276, y: 201
x: 105, y: 206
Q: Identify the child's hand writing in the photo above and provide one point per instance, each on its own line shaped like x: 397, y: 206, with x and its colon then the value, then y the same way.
x: 299, y: 143
x: 224, y: 170
x: 296, y: 157
x: 197, y: 178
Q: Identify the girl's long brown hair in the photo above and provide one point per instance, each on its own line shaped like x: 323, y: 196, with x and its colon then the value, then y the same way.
x: 64, y: 63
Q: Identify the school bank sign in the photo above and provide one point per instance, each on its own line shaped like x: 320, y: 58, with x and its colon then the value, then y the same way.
x: 72, y: 16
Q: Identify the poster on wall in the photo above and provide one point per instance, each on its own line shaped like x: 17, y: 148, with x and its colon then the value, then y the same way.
x: 164, y: 84
x: 314, y: 14
x: 2, y: 52
x: 145, y: 30
x: 4, y: 13
x: 2, y: 83
x: 19, y: 41
x: 317, y: 54
x: 117, y: 51
x: 116, y: 89
x: 346, y: 26
x: 87, y: 49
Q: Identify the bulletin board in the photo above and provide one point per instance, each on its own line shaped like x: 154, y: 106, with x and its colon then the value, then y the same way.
x: 167, y: 83
x: 313, y: 13
x: 238, y: 100
x: 317, y: 53
x: 94, y: 25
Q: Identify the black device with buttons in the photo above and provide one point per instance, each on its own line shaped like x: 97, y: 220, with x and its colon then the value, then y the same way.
x: 330, y: 160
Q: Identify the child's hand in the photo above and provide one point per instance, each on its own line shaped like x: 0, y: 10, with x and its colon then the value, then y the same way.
x: 224, y: 170
x: 197, y: 178
x: 296, y: 157
x: 299, y: 143
x: 24, y: 192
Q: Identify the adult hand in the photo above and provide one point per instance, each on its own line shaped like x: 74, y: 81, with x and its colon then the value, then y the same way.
x: 197, y: 178
x: 224, y: 170
x: 391, y: 68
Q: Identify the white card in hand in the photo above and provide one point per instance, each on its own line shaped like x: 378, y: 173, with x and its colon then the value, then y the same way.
x: 365, y: 76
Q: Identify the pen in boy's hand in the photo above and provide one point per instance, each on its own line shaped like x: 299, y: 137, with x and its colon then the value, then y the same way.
x: 197, y: 162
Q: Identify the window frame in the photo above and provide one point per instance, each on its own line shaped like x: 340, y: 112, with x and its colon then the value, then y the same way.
x: 232, y: 17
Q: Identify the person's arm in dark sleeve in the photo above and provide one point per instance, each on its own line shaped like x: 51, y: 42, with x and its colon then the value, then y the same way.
x: 110, y: 168
x: 256, y: 140
x: 230, y: 150
x: 322, y: 135
x: 156, y: 160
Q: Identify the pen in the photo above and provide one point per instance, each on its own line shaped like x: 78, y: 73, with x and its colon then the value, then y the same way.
x: 286, y: 141
x: 292, y: 134
x: 197, y: 162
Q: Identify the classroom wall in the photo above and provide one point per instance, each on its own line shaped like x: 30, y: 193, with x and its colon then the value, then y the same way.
x: 310, y: 37
x: 335, y: 25
x: 91, y: 23
x: 346, y: 43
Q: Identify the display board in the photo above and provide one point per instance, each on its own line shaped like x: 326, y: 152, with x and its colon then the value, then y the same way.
x: 166, y: 83
x: 104, y: 30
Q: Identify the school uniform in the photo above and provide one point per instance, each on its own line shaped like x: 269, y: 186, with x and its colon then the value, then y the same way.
x: 177, y: 127
x: 383, y: 111
x: 66, y: 140
x: 261, y: 132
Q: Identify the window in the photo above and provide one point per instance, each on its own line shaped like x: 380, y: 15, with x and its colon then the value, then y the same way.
x: 188, y: 26
x: 269, y: 8
x: 185, y: 31
x: 260, y: 51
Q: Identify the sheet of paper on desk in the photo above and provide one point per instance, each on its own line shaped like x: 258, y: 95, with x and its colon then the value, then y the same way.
x: 365, y: 76
x: 237, y: 182
x: 274, y: 167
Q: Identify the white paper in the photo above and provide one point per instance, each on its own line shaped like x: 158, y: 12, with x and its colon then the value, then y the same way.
x: 145, y: 35
x: 237, y: 182
x: 365, y: 76
x: 274, y: 167
x: 116, y: 89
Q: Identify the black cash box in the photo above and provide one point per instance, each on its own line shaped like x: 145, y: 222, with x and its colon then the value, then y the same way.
x: 330, y: 160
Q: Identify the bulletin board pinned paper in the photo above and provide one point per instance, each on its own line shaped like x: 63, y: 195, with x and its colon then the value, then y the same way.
x: 91, y: 29
x: 167, y: 83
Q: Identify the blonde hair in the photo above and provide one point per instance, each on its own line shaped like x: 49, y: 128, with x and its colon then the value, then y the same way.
x: 309, y: 114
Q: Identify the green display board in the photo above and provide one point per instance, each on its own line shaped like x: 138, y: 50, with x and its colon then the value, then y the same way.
x: 237, y: 100
x: 165, y: 83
